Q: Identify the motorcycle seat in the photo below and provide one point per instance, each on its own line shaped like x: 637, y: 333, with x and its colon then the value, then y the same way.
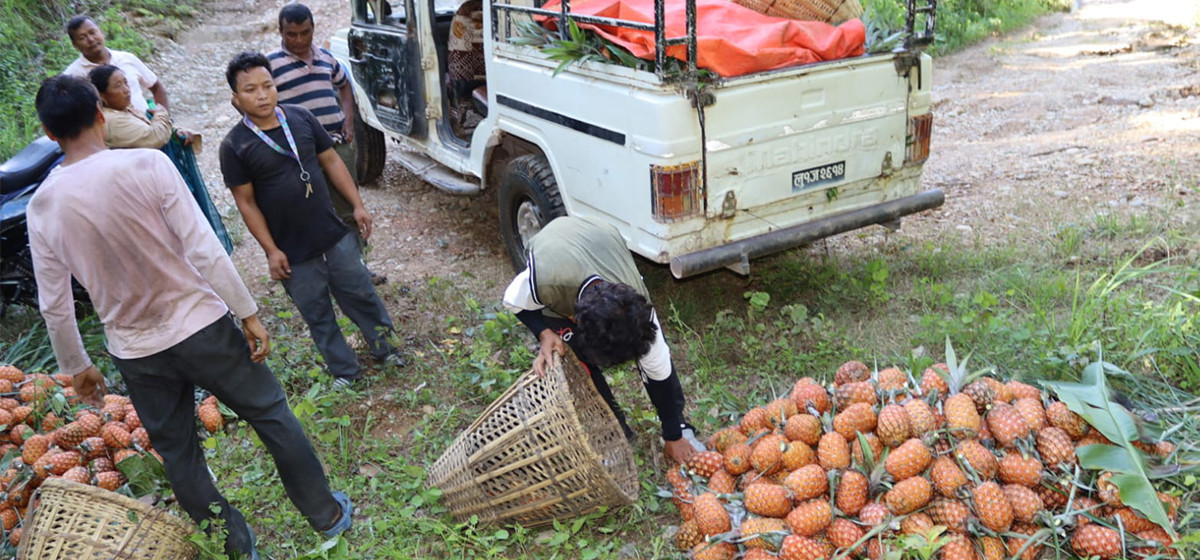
x: 29, y: 165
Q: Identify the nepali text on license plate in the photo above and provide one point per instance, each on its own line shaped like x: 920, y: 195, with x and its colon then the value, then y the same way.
x: 809, y: 178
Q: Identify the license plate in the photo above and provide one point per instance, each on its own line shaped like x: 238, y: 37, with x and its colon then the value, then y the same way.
x: 816, y: 176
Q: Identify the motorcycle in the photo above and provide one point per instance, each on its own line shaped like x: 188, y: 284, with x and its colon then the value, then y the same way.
x: 20, y: 177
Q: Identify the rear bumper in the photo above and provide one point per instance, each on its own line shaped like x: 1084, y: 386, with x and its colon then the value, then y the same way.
x: 705, y: 260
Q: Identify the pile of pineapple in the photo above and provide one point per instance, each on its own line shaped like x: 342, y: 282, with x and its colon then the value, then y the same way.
x: 46, y: 432
x: 848, y: 472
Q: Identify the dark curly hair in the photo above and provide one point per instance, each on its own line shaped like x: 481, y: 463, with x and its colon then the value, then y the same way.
x: 243, y: 62
x: 614, y: 324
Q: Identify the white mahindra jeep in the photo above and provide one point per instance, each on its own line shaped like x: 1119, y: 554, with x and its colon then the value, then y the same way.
x: 697, y: 172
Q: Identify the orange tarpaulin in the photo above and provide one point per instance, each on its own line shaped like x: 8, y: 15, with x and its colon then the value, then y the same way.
x: 730, y: 40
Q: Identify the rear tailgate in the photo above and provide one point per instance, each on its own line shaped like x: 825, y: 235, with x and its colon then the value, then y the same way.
x: 775, y: 140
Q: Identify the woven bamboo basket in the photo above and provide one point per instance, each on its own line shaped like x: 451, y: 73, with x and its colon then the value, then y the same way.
x: 73, y: 521
x: 549, y: 448
x: 828, y: 11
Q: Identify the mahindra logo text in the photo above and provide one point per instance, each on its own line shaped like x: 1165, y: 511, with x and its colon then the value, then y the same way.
x: 804, y: 148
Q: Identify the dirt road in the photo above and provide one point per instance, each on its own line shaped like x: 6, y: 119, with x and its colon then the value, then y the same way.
x: 1095, y: 111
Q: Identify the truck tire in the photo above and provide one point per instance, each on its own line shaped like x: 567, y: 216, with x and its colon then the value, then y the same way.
x: 529, y: 199
x: 370, y: 151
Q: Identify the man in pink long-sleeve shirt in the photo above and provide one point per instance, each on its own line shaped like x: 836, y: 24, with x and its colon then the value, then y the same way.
x: 123, y: 223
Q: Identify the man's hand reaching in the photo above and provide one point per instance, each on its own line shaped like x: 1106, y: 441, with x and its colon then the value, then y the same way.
x: 257, y: 338
x: 679, y: 450
x: 551, y: 343
x: 89, y: 386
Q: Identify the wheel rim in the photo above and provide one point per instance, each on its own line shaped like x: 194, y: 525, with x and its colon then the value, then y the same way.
x: 529, y: 221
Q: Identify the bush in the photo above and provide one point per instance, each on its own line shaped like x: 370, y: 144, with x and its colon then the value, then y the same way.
x: 34, y: 46
x: 962, y: 22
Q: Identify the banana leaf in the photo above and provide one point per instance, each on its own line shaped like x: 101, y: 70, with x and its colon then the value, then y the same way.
x: 1090, y: 399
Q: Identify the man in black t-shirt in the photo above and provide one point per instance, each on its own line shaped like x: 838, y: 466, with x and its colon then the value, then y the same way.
x: 276, y: 161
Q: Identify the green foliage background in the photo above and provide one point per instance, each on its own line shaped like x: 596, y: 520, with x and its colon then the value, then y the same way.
x: 962, y: 22
x: 34, y: 46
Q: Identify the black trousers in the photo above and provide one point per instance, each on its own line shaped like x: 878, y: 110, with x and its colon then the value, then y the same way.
x: 217, y: 358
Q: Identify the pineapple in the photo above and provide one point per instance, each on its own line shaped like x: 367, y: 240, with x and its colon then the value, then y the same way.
x: 1032, y: 413
x: 797, y: 454
x: 714, y: 551
x: 833, y: 452
x: 1015, y: 468
x: 110, y: 480
x: 77, y: 474
x: 131, y: 417
x: 873, y: 443
x: 981, y: 394
x: 763, y: 532
x: 947, y: 477
x: 70, y: 436
x: 803, y: 427
x: 9, y: 518
x: 855, y: 392
x: 810, y: 518
x: 916, y: 524
x: 1006, y: 424
x: 116, y: 436
x: 705, y: 463
x: 961, y: 417
x: 843, y: 533
x: 852, y: 492
x: 851, y: 372
x: 1130, y: 520
x: 759, y: 554
x: 1061, y: 417
x: 921, y: 417
x: 807, y: 482
x: 211, y: 417
x: 992, y: 507
x: 909, y: 495
x: 908, y: 460
x: 737, y: 459
x: 1055, y: 447
x: 858, y: 417
x: 721, y: 482
x: 754, y: 420
x: 1025, y: 502
x: 1015, y: 543
x: 93, y: 447
x: 726, y: 438
x: 892, y: 379
x: 992, y: 548
x: 951, y: 513
x: 973, y: 454
x: 958, y: 548
x: 933, y: 380
x: 64, y: 461
x: 810, y: 397
x: 1107, y: 491
x: 688, y: 535
x: 1023, y: 390
x: 1000, y: 391
x: 91, y: 423
x: 710, y: 515
x: 779, y: 410
x: 766, y: 456
x: 768, y: 500
x: 34, y: 448
x: 796, y: 547
x: 893, y: 425
x: 873, y: 514
x: 1096, y: 541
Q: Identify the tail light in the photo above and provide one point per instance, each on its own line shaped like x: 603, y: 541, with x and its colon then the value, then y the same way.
x: 676, y: 191
x: 920, y: 128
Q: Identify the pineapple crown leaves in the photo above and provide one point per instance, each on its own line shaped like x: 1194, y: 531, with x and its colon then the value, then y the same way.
x: 875, y: 532
x: 924, y: 545
x: 958, y: 376
x: 1090, y: 399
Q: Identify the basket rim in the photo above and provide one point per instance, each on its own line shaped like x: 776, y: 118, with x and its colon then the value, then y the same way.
x: 97, y: 493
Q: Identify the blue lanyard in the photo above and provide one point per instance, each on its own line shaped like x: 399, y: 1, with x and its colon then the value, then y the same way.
x: 287, y: 132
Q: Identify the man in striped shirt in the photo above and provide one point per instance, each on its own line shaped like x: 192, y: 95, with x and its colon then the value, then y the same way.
x: 308, y: 76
